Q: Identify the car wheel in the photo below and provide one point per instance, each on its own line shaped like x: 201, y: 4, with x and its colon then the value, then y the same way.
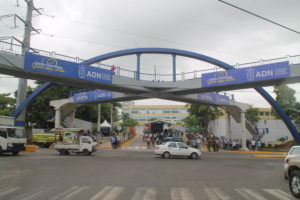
x: 1, y: 151
x: 166, y: 155
x: 294, y: 183
x: 15, y: 153
x: 194, y: 155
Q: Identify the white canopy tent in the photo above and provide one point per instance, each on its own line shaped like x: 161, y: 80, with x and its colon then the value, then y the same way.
x: 105, y: 124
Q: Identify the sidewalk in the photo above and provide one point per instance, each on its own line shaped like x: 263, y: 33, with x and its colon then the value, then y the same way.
x: 106, y: 143
x: 261, y: 154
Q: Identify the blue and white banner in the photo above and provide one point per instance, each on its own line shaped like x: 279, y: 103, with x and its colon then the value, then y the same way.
x: 65, y: 68
x: 94, y: 95
x: 213, y: 97
x: 249, y: 74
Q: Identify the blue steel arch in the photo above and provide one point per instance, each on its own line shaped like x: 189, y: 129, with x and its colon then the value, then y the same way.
x: 139, y: 51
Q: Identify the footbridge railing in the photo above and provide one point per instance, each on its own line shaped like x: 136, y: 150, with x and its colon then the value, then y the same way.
x: 119, y: 71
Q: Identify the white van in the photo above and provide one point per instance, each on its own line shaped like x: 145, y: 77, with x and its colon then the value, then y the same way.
x: 12, y: 139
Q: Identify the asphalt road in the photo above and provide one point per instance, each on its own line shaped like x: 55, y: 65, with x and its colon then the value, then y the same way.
x: 137, y: 174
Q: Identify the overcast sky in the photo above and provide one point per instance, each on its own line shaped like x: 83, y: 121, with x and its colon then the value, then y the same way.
x: 87, y: 28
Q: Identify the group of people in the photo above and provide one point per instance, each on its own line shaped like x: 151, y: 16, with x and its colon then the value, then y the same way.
x: 153, y: 138
x: 194, y: 139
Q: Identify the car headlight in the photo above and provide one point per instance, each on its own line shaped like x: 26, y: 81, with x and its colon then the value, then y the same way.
x: 9, y: 144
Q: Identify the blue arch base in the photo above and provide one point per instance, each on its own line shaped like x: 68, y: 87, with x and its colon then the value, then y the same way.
x: 173, y: 52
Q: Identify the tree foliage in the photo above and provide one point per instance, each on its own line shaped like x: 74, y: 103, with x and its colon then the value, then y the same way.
x: 7, y: 104
x: 89, y: 112
x: 252, y: 114
x: 127, y: 121
x: 285, y: 97
x: 201, y: 115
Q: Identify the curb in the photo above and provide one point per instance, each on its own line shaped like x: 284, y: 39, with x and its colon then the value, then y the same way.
x: 123, y: 144
x: 268, y: 156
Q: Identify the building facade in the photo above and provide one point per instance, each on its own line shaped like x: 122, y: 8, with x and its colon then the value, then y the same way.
x: 146, y: 113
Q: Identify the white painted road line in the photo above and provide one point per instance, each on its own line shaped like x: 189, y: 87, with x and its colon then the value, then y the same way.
x: 108, y: 193
x: 61, y: 195
x: 249, y: 194
x: 216, y: 194
x: 279, y: 194
x: 6, y: 191
x: 144, y: 194
x: 181, y: 194
x: 75, y: 192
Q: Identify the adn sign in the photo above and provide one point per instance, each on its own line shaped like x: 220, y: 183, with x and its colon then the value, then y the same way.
x: 94, y: 95
x: 65, y: 68
x: 245, y: 75
x: 213, y: 97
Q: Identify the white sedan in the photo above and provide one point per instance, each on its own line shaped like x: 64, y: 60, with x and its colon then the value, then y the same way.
x: 293, y: 152
x: 168, y: 149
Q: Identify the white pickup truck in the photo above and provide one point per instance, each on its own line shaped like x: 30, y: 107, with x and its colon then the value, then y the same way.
x: 85, y: 145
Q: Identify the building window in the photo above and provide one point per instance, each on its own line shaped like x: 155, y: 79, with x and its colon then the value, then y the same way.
x: 261, y: 113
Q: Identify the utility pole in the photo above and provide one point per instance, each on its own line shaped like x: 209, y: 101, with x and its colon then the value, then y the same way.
x: 111, y: 116
x: 22, y: 85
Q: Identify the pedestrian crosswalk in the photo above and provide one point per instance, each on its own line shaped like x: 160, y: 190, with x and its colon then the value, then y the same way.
x: 140, y: 193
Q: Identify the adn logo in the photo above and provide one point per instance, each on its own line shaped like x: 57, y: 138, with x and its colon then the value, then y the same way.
x: 82, y: 72
x: 250, y: 74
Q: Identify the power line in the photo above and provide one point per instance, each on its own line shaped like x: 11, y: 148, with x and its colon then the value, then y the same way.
x: 251, y: 13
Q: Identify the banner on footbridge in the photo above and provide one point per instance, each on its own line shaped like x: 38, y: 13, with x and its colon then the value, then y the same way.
x: 245, y: 75
x: 213, y: 97
x: 64, y: 68
x: 94, y: 95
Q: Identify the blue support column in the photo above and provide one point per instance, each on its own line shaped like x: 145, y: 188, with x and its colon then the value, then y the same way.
x: 174, y: 67
x: 138, y: 66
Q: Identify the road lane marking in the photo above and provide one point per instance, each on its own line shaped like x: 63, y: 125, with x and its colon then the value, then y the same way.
x: 72, y: 194
x: 30, y: 194
x: 34, y: 195
x: 6, y: 191
x: 144, y: 194
x: 216, y: 194
x: 65, y: 193
x: 279, y: 194
x: 108, y: 193
x: 181, y: 194
x: 249, y: 194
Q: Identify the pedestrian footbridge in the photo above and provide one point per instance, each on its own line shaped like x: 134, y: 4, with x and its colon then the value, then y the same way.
x: 121, y: 84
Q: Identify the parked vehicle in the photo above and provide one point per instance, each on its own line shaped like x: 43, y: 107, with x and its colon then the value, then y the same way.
x: 84, y: 145
x: 168, y: 149
x: 293, y: 173
x: 294, y: 151
x: 12, y: 139
x: 55, y: 134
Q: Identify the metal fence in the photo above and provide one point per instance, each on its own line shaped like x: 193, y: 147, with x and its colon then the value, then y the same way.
x: 17, y: 49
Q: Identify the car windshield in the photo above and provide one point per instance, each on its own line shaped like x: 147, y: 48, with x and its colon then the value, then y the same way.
x: 16, y: 133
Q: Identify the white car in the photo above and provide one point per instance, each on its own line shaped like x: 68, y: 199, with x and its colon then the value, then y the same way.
x: 293, y: 152
x: 168, y: 149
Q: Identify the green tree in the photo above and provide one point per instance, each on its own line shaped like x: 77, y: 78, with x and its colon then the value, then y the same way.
x: 7, y: 104
x: 252, y: 114
x: 285, y: 97
x: 127, y: 121
x: 201, y: 115
x: 89, y: 112
x: 39, y: 111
